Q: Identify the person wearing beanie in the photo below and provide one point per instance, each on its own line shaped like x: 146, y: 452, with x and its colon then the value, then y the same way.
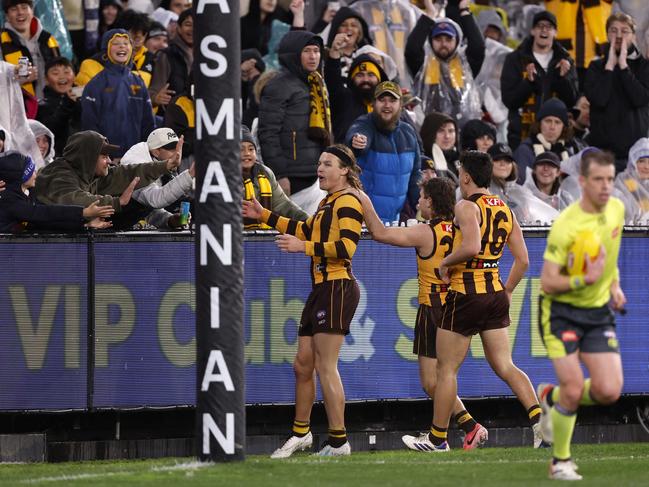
x: 23, y: 36
x: 353, y: 96
x: 478, y: 135
x: 295, y: 119
x: 260, y: 183
x: 157, y: 39
x: 443, y: 65
x: 539, y: 69
x: 440, y: 140
x: 252, y: 67
x: 21, y: 212
x: 617, y: 86
x: 551, y: 132
x: 122, y: 113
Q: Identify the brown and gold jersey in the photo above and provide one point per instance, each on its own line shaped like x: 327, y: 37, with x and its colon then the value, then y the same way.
x: 331, y: 235
x: 430, y: 283
x: 480, y: 274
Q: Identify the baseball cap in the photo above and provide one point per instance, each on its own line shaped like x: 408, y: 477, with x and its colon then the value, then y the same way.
x: 388, y: 87
x: 544, y: 15
x: 500, y: 151
x: 108, y: 149
x: 444, y: 28
x: 164, y: 138
x: 548, y: 158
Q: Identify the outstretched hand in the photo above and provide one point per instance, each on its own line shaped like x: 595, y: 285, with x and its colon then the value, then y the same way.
x: 98, y: 224
x: 128, y: 192
x: 252, y: 209
x: 289, y: 243
x: 93, y: 210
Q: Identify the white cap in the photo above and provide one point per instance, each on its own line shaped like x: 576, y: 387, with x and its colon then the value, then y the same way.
x: 161, y: 137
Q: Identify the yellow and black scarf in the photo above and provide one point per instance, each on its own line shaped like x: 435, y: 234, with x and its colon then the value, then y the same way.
x: 265, y: 198
x: 320, y: 113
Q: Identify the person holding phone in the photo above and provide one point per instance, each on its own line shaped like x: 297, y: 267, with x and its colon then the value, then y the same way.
x: 347, y: 34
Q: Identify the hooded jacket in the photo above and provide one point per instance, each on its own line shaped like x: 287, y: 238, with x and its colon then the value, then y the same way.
x: 633, y: 190
x: 330, y: 32
x: 284, y: 113
x: 347, y: 102
x: 116, y: 103
x: 523, y: 98
x: 39, y: 129
x: 447, y: 85
x: 71, y: 179
x: 619, y: 104
x: 21, y: 212
x: 445, y: 161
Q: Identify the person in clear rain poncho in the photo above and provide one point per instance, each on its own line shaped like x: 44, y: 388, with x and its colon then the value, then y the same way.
x: 632, y: 184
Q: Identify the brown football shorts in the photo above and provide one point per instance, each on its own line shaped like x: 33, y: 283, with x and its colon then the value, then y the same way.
x: 469, y: 314
x: 330, y: 308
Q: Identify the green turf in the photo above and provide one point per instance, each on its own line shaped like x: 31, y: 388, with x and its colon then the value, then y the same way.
x: 608, y: 465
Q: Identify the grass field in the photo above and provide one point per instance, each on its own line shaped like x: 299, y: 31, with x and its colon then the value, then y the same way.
x: 606, y: 465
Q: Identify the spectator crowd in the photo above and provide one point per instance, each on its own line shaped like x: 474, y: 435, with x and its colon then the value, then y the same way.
x: 97, y: 127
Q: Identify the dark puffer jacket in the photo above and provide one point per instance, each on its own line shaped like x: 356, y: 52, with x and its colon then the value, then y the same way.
x: 284, y: 114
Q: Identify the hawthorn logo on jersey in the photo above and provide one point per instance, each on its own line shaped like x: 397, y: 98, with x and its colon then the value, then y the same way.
x: 447, y: 227
x: 494, y: 202
x: 569, y: 336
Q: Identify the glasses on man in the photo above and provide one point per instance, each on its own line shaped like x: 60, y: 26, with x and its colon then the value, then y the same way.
x: 544, y: 26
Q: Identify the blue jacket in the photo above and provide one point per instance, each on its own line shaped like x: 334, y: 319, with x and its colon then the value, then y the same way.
x: 390, y: 163
x: 116, y: 104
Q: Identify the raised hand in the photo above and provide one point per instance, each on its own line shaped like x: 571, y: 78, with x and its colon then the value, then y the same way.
x: 93, y: 210
x: 174, y: 162
x: 612, y: 57
x: 128, y: 192
x: 563, y: 66
x: 252, y: 209
x: 359, y: 141
x: 624, y: 51
x: 531, y: 71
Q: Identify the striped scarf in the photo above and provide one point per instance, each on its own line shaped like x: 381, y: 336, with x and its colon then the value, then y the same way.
x: 265, y: 198
x: 320, y: 114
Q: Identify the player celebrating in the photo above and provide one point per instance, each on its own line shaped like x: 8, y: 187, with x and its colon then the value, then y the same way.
x: 575, y: 319
x: 330, y: 238
x: 478, y: 302
x: 432, y: 242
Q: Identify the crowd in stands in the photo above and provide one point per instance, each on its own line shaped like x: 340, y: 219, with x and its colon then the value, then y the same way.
x: 97, y: 127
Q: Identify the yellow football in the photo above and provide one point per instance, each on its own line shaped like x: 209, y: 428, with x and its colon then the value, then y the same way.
x: 586, y: 242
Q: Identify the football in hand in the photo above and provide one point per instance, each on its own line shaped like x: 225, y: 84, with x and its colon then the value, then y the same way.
x: 586, y: 242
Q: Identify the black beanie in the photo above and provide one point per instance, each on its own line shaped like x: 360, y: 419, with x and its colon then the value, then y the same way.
x: 7, y: 4
x: 256, y: 55
x: 553, y: 108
